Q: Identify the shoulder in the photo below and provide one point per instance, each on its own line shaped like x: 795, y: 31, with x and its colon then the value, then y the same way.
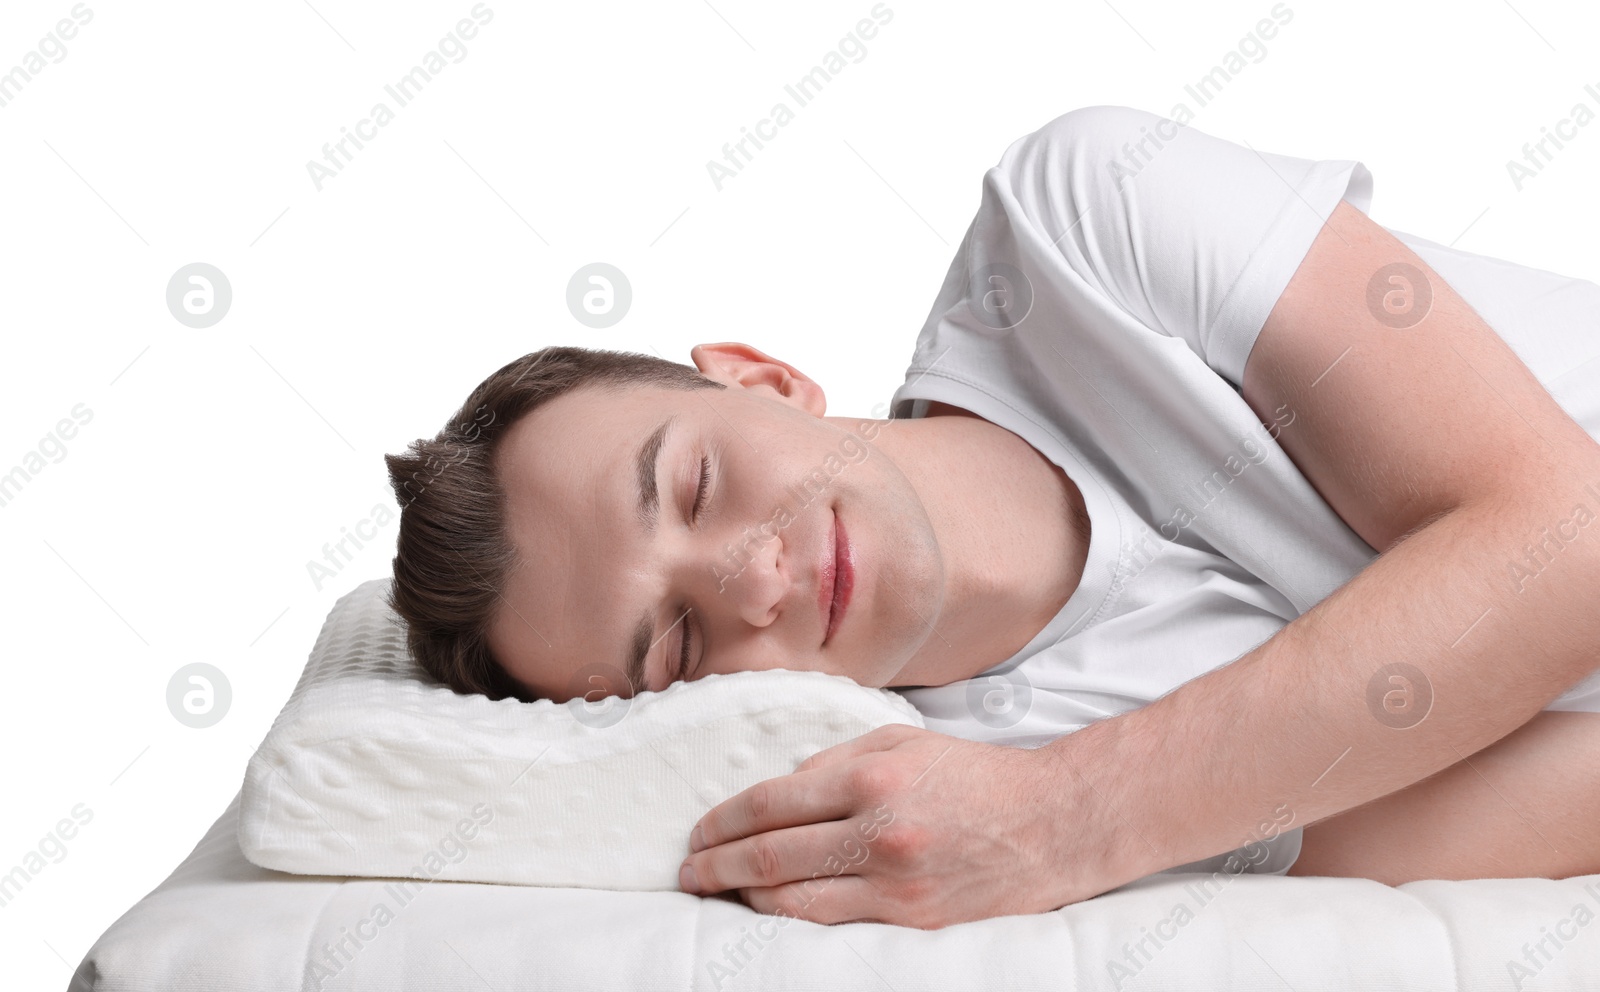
x: 1107, y: 135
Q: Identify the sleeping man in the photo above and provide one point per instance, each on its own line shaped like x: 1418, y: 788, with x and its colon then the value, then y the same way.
x: 1211, y: 517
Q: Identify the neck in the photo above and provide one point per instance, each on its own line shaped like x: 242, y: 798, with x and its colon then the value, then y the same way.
x: 1007, y: 520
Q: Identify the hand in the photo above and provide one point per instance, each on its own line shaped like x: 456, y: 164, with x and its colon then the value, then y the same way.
x: 901, y: 825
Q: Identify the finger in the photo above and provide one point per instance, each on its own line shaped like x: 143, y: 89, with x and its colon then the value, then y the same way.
x: 784, y: 801
x: 773, y: 858
x: 828, y: 900
x: 877, y: 739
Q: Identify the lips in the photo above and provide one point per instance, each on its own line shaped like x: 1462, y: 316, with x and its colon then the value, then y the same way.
x: 837, y: 578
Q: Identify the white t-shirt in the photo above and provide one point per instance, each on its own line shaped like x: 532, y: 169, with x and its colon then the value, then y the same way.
x: 1101, y: 306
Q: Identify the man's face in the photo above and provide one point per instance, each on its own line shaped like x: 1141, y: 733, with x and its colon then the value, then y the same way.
x: 739, y: 582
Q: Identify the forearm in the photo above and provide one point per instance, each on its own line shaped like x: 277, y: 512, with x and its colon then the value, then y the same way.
x: 1523, y: 807
x: 1291, y: 724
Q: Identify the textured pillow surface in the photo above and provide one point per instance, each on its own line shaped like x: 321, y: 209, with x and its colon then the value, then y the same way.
x: 373, y: 769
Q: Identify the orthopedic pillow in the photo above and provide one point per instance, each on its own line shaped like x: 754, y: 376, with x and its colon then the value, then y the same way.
x: 374, y: 769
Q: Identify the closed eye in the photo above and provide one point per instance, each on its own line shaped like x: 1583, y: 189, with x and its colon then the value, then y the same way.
x: 705, y: 483
x: 683, y: 664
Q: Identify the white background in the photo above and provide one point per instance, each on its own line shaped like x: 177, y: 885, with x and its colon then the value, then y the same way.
x: 179, y: 525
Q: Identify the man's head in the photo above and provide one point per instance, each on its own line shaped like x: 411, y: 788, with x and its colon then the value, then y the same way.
x: 551, y: 530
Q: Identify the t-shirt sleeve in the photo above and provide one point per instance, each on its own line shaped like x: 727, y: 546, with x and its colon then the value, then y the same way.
x: 1193, y: 236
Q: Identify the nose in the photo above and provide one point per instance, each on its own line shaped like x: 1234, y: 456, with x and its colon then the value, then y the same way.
x: 742, y: 574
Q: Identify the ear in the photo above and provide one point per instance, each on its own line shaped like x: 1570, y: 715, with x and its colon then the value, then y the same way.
x: 745, y: 367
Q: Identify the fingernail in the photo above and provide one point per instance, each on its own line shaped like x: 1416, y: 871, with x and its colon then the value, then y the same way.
x: 697, y: 840
x: 687, y: 881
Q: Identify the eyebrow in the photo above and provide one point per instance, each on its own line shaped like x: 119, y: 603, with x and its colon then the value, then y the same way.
x: 645, y: 472
x: 649, y: 509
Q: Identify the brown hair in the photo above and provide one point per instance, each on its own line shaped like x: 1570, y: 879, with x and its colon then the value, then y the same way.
x: 453, y: 554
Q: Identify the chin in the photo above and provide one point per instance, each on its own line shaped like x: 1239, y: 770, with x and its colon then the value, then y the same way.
x: 900, y: 566
x: 883, y: 646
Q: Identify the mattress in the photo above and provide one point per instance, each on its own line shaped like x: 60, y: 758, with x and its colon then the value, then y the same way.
x: 221, y: 923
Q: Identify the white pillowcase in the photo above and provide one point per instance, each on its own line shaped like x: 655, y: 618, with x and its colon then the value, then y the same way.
x: 374, y: 769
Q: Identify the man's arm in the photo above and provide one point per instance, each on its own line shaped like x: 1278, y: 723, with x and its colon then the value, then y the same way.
x: 1524, y: 807
x: 1441, y: 449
